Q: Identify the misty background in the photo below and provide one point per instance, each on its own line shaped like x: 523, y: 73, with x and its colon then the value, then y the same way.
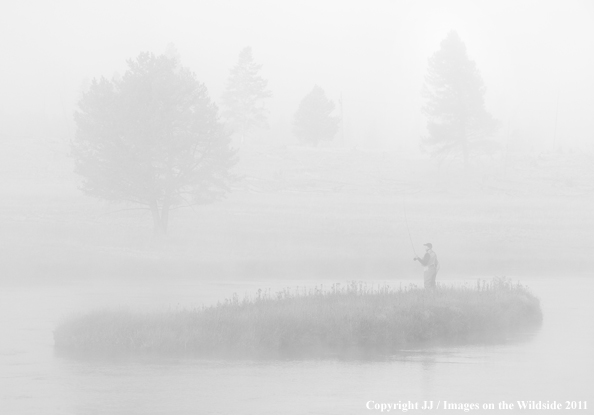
x: 530, y: 197
x: 358, y: 207
x: 535, y: 58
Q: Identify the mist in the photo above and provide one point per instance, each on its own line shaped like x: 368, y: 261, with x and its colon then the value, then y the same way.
x: 533, y: 57
x: 358, y: 207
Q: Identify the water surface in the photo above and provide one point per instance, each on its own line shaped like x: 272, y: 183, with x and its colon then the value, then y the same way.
x: 555, y: 363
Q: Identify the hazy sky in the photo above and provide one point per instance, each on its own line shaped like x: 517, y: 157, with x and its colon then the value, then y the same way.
x: 530, y: 53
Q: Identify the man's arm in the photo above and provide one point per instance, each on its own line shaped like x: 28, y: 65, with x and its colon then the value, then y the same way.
x: 425, y: 259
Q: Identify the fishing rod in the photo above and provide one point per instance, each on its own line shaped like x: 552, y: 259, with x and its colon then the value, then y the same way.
x: 406, y: 222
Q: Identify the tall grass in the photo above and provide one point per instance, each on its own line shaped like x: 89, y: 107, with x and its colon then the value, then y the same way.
x: 356, y: 318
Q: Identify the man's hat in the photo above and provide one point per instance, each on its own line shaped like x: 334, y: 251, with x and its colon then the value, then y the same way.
x: 429, y: 245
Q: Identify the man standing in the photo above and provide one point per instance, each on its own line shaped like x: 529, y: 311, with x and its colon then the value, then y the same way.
x: 430, y: 264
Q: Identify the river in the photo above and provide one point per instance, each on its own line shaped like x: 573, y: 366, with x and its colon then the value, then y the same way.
x: 554, y: 364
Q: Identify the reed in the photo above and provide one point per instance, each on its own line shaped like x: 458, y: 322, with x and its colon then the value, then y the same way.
x: 355, y: 318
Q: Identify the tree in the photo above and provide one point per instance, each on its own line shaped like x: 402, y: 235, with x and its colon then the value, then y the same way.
x: 313, y: 121
x: 244, y: 97
x: 152, y: 138
x: 455, y: 107
x: 171, y: 52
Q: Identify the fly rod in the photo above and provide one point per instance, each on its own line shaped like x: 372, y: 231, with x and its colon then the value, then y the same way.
x: 406, y: 222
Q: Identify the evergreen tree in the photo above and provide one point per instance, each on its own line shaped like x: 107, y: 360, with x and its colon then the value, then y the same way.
x: 313, y: 120
x: 243, y: 100
x: 172, y: 53
x: 152, y: 138
x: 455, y: 107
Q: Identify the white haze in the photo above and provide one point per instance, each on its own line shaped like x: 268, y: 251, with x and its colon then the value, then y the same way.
x: 535, y: 57
x: 302, y: 216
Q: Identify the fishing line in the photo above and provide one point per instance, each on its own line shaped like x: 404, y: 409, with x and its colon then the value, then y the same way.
x: 406, y: 222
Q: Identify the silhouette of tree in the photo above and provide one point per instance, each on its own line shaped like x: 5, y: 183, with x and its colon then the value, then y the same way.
x: 243, y: 100
x: 455, y: 107
x: 152, y: 138
x: 313, y: 121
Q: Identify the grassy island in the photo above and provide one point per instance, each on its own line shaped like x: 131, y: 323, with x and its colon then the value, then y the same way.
x: 356, y: 318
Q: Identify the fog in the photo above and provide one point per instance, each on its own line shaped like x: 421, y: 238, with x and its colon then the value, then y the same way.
x: 357, y: 207
x: 534, y: 58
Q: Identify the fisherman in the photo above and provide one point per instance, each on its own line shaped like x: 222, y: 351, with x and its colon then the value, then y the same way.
x: 430, y: 264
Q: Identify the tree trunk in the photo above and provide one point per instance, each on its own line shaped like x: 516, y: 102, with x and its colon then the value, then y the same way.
x: 165, y: 216
x: 159, y: 228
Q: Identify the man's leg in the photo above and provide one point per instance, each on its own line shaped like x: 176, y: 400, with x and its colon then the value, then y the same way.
x: 427, y: 279
x: 433, y: 278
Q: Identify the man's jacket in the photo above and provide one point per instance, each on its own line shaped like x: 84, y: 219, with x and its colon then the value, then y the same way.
x: 429, y: 260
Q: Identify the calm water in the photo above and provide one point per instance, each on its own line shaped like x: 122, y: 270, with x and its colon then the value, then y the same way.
x: 556, y: 363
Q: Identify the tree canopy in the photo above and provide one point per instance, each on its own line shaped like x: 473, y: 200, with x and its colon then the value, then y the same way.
x: 243, y: 100
x: 313, y: 121
x: 152, y: 137
x: 455, y: 105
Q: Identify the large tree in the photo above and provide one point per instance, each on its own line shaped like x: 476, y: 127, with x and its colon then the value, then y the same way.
x: 152, y: 138
x: 243, y: 100
x: 458, y: 122
x: 313, y: 121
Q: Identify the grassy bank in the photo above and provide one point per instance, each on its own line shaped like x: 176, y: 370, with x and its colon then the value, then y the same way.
x: 341, y: 320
